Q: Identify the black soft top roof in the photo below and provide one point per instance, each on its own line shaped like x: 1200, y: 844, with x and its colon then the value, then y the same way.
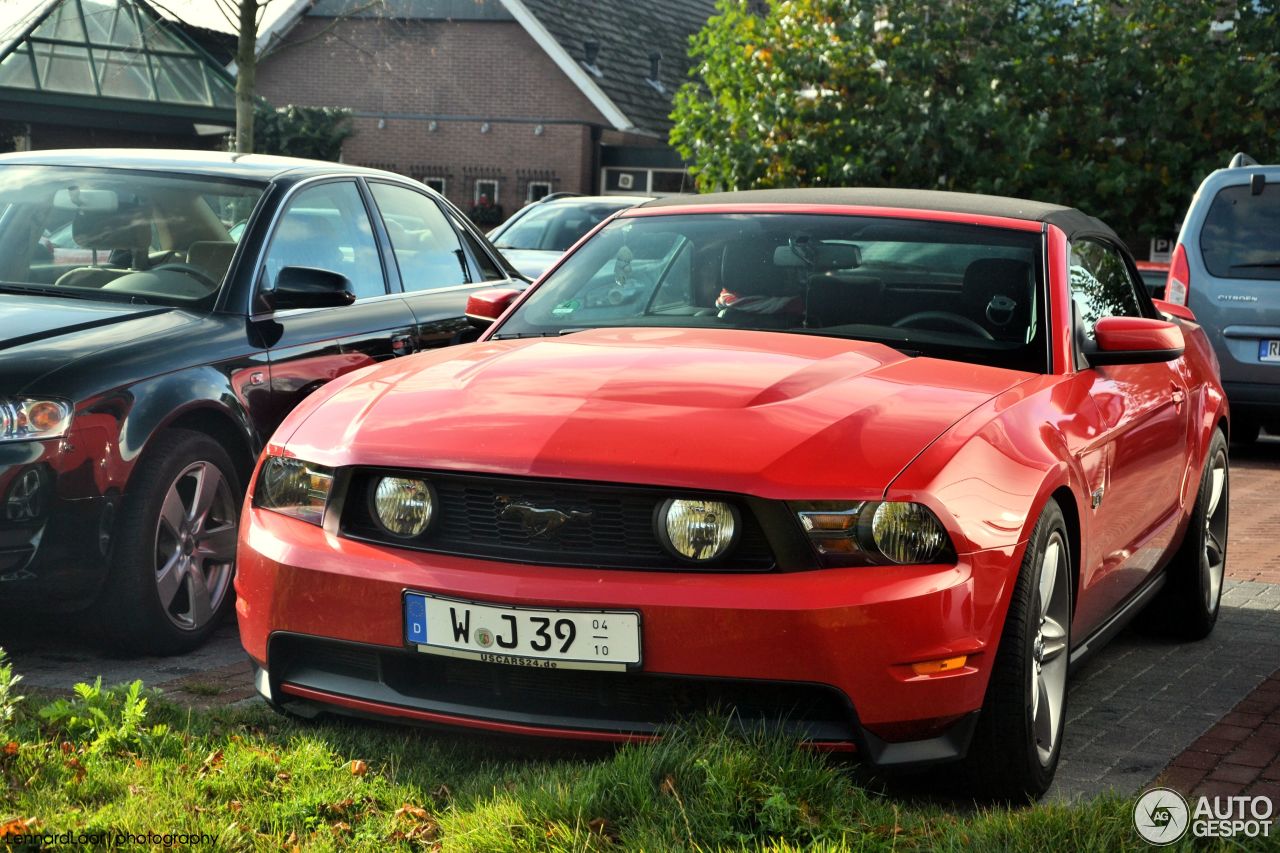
x: 1069, y: 219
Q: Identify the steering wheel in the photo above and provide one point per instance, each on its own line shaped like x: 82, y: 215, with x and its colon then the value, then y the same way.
x: 946, y: 317
x: 190, y: 269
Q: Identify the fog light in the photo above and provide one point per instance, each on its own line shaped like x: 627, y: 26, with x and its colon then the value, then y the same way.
x: 403, y: 506
x: 698, y: 530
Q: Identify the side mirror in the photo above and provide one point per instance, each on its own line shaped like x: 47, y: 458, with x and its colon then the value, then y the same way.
x: 308, y: 287
x: 485, y: 306
x: 1174, y: 310
x: 1135, y: 340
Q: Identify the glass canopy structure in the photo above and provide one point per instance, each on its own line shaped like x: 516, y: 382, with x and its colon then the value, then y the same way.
x: 117, y: 57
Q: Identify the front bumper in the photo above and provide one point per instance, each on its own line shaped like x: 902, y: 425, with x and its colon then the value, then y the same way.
x: 55, y: 535
x: 828, y: 652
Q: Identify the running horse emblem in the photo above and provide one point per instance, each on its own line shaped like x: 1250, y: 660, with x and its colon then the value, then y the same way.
x: 537, y: 522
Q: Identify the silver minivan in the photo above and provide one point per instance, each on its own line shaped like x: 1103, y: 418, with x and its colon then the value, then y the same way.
x: 1226, y: 269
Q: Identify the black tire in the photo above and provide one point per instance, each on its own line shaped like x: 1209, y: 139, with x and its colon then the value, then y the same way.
x: 149, y: 553
x: 1187, y: 608
x: 1007, y: 759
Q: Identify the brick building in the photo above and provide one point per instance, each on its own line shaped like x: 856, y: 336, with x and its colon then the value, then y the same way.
x: 513, y: 99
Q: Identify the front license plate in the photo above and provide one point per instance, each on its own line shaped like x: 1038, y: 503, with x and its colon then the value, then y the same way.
x: 1269, y: 350
x: 522, y: 636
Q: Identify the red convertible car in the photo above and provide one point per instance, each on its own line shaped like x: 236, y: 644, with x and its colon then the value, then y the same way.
x: 875, y: 466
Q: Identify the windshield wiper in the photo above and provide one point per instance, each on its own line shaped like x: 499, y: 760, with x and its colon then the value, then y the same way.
x: 556, y: 334
x: 43, y: 291
x: 1258, y: 265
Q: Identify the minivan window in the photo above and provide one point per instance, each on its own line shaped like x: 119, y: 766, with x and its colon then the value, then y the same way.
x: 1241, y: 234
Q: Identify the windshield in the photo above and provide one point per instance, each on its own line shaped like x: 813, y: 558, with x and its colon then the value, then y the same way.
x: 119, y: 235
x: 556, y: 227
x: 959, y: 292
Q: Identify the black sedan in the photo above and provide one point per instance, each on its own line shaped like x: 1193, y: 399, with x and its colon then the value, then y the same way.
x: 143, y: 368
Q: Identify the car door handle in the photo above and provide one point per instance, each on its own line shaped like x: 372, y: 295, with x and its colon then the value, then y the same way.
x: 402, y: 344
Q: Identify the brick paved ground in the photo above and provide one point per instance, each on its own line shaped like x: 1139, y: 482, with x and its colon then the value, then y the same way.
x: 1254, y: 545
x: 1238, y: 755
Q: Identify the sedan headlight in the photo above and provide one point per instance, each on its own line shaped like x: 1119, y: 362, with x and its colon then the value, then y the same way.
x: 26, y: 418
x: 859, y: 532
x: 294, y: 487
x: 697, y: 530
x: 402, y: 506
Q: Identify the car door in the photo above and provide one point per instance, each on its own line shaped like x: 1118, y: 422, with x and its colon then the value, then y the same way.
x: 438, y: 266
x: 328, y: 226
x: 1137, y: 461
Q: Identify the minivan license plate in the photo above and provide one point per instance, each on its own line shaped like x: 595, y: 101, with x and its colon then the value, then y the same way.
x: 1269, y: 350
x: 523, y: 636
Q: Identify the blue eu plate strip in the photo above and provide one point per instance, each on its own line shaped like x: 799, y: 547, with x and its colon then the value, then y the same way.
x: 415, y: 618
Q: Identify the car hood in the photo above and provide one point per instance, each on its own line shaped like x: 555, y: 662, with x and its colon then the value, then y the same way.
x: 531, y: 262
x: 40, y: 334
x: 777, y: 415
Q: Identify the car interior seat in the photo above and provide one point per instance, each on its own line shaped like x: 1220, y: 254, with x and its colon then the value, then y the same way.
x: 212, y: 256
x: 124, y: 232
x: 747, y: 270
x: 998, y: 294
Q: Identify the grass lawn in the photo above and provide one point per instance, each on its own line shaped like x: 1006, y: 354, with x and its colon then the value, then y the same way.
x: 114, y: 760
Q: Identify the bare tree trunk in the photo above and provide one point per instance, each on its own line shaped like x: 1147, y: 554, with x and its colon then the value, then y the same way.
x: 246, y: 75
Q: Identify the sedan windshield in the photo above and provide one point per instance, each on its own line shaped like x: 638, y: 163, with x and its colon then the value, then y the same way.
x: 112, y: 234
x: 556, y: 227
x: 960, y: 292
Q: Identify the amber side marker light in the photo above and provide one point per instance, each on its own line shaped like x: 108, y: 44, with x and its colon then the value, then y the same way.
x: 933, y: 667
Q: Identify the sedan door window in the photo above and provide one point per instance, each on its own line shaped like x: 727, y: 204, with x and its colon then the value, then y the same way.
x: 327, y: 227
x: 426, y: 248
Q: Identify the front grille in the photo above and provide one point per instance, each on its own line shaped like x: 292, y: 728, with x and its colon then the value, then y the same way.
x: 618, y: 533
x: 631, y: 702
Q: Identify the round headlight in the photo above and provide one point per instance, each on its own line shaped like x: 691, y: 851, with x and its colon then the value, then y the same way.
x: 907, y: 532
x: 698, y: 530
x: 403, y: 506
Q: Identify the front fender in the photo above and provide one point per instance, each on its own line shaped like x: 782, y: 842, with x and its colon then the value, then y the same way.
x: 111, y: 431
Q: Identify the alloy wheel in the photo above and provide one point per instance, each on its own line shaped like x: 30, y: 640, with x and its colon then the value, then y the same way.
x: 195, y: 545
x: 1213, y: 562
x: 1048, y: 676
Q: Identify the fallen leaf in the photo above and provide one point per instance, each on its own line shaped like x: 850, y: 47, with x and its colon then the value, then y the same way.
x: 340, y: 828
x: 668, y: 787
x: 359, y: 767
x: 74, y: 764
x: 292, y: 840
x: 212, y: 763
x: 235, y: 805
x: 411, y: 812
x: 18, y: 827
x: 283, y: 777
x: 11, y: 748
x: 65, y: 746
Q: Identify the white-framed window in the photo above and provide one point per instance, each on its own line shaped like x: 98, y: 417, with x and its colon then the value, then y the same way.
x: 537, y: 190
x: 437, y: 184
x: 619, y: 180
x: 486, y: 187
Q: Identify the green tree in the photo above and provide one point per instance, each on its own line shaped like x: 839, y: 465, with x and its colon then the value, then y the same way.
x: 1117, y: 108
x: 314, y: 132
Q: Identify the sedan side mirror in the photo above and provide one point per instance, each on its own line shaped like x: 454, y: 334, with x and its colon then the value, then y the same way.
x: 309, y: 287
x: 485, y: 306
x: 1135, y: 340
